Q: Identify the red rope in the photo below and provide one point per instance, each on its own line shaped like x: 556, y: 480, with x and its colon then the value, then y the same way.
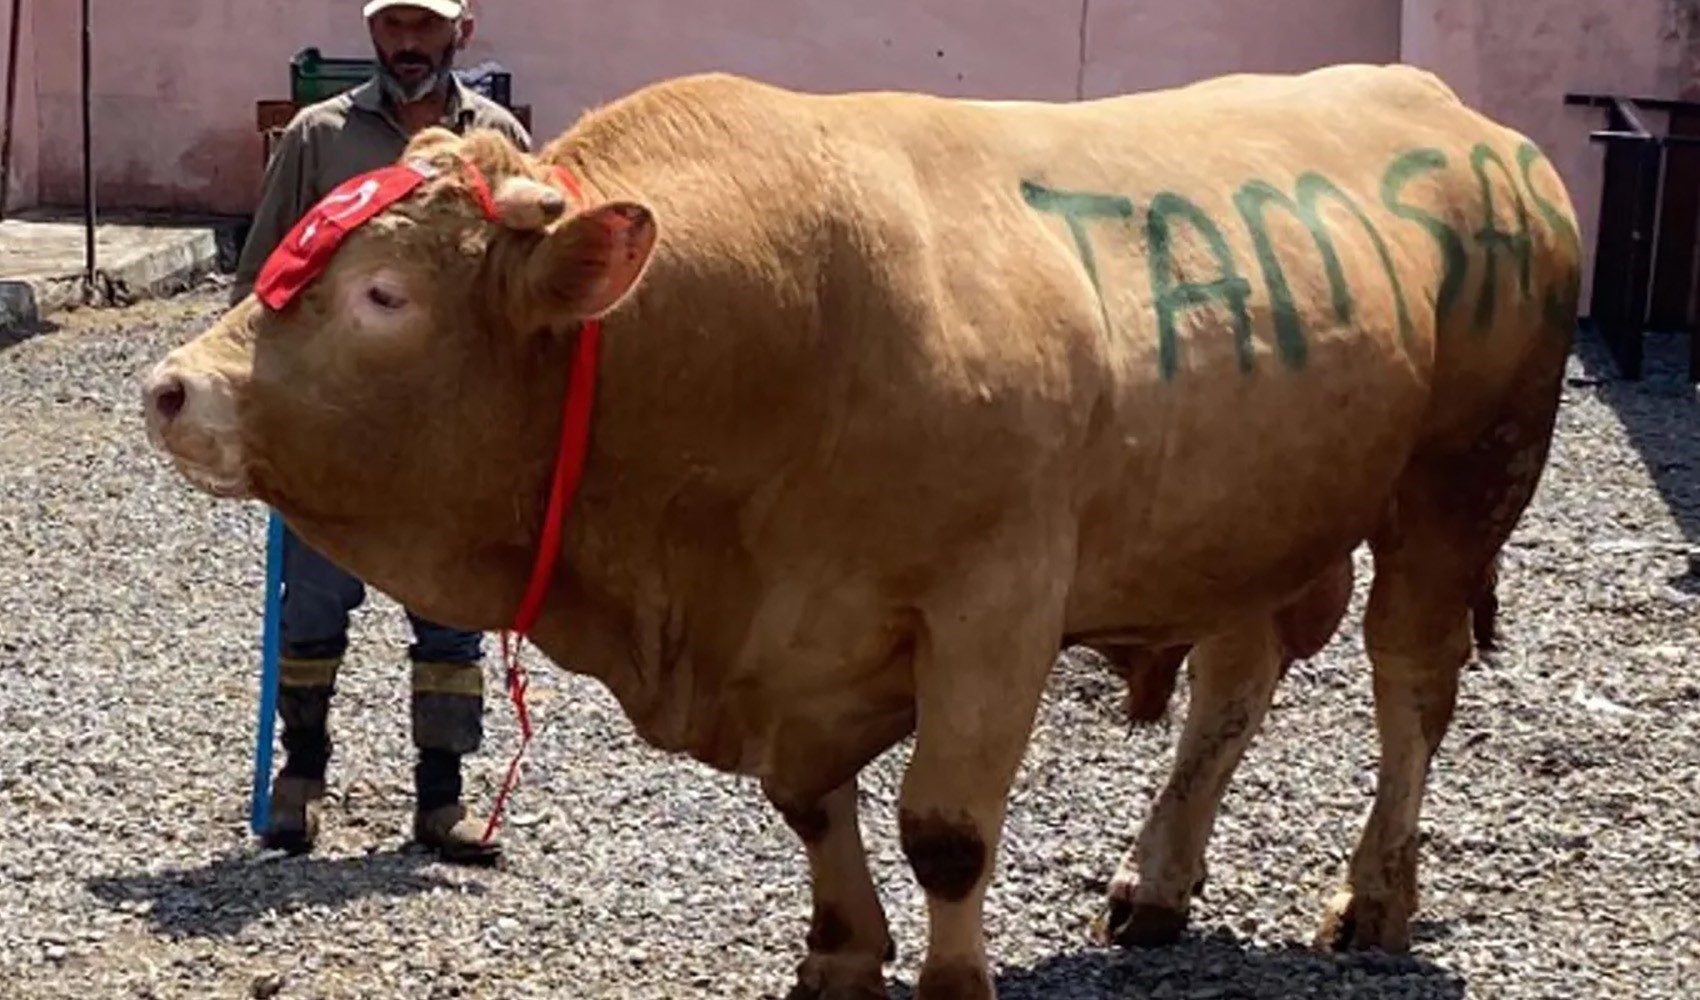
x: 569, y: 468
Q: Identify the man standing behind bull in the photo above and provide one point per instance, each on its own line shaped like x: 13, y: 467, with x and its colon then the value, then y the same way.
x: 327, y: 143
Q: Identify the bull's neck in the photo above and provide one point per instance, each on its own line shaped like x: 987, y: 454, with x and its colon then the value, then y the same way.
x: 602, y: 643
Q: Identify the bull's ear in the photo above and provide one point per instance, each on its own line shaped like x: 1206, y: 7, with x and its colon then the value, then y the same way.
x: 589, y: 262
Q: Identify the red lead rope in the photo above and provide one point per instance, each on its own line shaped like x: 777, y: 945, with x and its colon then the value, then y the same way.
x: 569, y: 467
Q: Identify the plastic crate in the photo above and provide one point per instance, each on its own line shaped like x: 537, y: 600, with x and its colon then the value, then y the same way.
x: 314, y: 76
x: 497, y: 86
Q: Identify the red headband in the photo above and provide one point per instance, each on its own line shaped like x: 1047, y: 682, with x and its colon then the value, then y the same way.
x: 306, y: 250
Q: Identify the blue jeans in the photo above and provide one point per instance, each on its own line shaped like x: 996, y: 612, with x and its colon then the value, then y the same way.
x: 318, y: 597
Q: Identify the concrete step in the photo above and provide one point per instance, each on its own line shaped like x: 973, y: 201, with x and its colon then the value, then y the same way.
x: 137, y: 256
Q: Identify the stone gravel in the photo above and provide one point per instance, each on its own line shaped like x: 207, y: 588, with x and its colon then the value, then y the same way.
x: 1562, y: 854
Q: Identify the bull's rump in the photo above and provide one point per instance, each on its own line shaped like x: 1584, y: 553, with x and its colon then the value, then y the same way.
x: 1273, y: 281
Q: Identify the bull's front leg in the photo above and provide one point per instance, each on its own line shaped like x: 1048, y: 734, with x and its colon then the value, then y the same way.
x: 849, y: 940
x: 976, y: 700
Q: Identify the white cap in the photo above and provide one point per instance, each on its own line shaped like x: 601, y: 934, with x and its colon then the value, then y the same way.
x: 450, y: 9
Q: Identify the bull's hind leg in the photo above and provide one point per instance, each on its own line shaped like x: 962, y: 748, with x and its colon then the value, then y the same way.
x: 1417, y: 630
x: 1235, y: 674
x: 1232, y: 677
x: 1433, y: 558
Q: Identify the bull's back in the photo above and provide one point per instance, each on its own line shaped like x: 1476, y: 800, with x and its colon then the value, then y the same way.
x: 1208, y: 326
x: 1259, y: 295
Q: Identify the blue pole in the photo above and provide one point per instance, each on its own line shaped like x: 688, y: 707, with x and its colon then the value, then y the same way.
x: 259, y: 807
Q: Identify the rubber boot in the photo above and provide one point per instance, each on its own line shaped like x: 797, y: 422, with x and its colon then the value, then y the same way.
x: 303, y: 706
x: 448, y: 723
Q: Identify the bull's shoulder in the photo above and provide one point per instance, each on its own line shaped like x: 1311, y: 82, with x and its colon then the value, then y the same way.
x: 714, y: 88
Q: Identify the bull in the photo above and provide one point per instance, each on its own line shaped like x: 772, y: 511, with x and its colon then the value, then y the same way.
x: 895, y: 397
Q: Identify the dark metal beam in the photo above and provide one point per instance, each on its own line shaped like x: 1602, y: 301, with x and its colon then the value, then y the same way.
x: 88, y: 147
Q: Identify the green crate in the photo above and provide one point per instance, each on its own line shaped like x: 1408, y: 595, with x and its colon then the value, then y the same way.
x: 314, y: 77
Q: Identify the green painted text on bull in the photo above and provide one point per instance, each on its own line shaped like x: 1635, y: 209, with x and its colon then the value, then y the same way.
x: 1172, y: 296
x: 1076, y: 209
x: 1561, y: 300
x: 1175, y: 290
x: 1289, y: 333
x: 1495, y: 241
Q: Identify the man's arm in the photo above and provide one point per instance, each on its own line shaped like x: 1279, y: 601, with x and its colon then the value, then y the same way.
x: 283, y: 198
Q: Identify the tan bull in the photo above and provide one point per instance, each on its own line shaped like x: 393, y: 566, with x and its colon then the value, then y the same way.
x: 899, y: 395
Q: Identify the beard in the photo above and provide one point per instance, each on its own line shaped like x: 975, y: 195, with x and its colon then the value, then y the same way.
x: 402, y: 92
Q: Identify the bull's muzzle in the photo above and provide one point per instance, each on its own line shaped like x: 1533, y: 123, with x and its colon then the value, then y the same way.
x: 191, y: 418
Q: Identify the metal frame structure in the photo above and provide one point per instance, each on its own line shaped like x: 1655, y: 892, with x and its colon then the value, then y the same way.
x: 89, y: 231
x: 8, y: 128
x: 1645, y: 253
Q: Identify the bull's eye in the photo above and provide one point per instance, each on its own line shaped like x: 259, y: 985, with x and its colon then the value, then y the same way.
x: 383, y: 298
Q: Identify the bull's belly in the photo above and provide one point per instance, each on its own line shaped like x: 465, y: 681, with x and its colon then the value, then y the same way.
x: 1234, y: 505
x: 1162, y: 602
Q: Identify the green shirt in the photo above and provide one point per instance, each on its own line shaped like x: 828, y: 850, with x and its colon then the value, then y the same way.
x: 338, y: 138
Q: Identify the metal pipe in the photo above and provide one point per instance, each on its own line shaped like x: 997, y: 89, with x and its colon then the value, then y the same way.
x: 88, y: 146
x: 1627, y: 110
x: 1645, y: 103
x: 15, y: 33
x: 259, y: 801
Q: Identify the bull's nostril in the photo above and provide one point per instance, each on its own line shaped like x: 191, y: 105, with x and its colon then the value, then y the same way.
x: 169, y: 397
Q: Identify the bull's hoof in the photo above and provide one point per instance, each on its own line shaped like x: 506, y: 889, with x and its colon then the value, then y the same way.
x: 1128, y: 924
x: 837, y: 991
x: 1147, y: 925
x: 954, y: 981
x: 823, y: 977
x: 1353, y: 924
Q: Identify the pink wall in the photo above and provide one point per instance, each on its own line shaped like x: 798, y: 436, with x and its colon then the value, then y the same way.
x: 175, y: 85
x: 176, y: 82
x: 174, y: 125
x: 1140, y: 45
x: 1516, y: 61
x: 25, y: 167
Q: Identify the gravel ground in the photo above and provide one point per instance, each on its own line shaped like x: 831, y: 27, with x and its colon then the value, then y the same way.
x: 1563, y: 826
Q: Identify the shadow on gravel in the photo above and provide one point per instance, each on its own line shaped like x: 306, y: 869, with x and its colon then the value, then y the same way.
x: 1220, y: 965
x: 1661, y: 417
x: 222, y: 898
x: 15, y: 335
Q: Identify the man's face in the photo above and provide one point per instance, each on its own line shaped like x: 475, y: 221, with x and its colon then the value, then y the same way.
x: 415, y: 50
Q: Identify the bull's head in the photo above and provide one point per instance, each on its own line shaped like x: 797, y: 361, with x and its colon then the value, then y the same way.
x: 396, y: 394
